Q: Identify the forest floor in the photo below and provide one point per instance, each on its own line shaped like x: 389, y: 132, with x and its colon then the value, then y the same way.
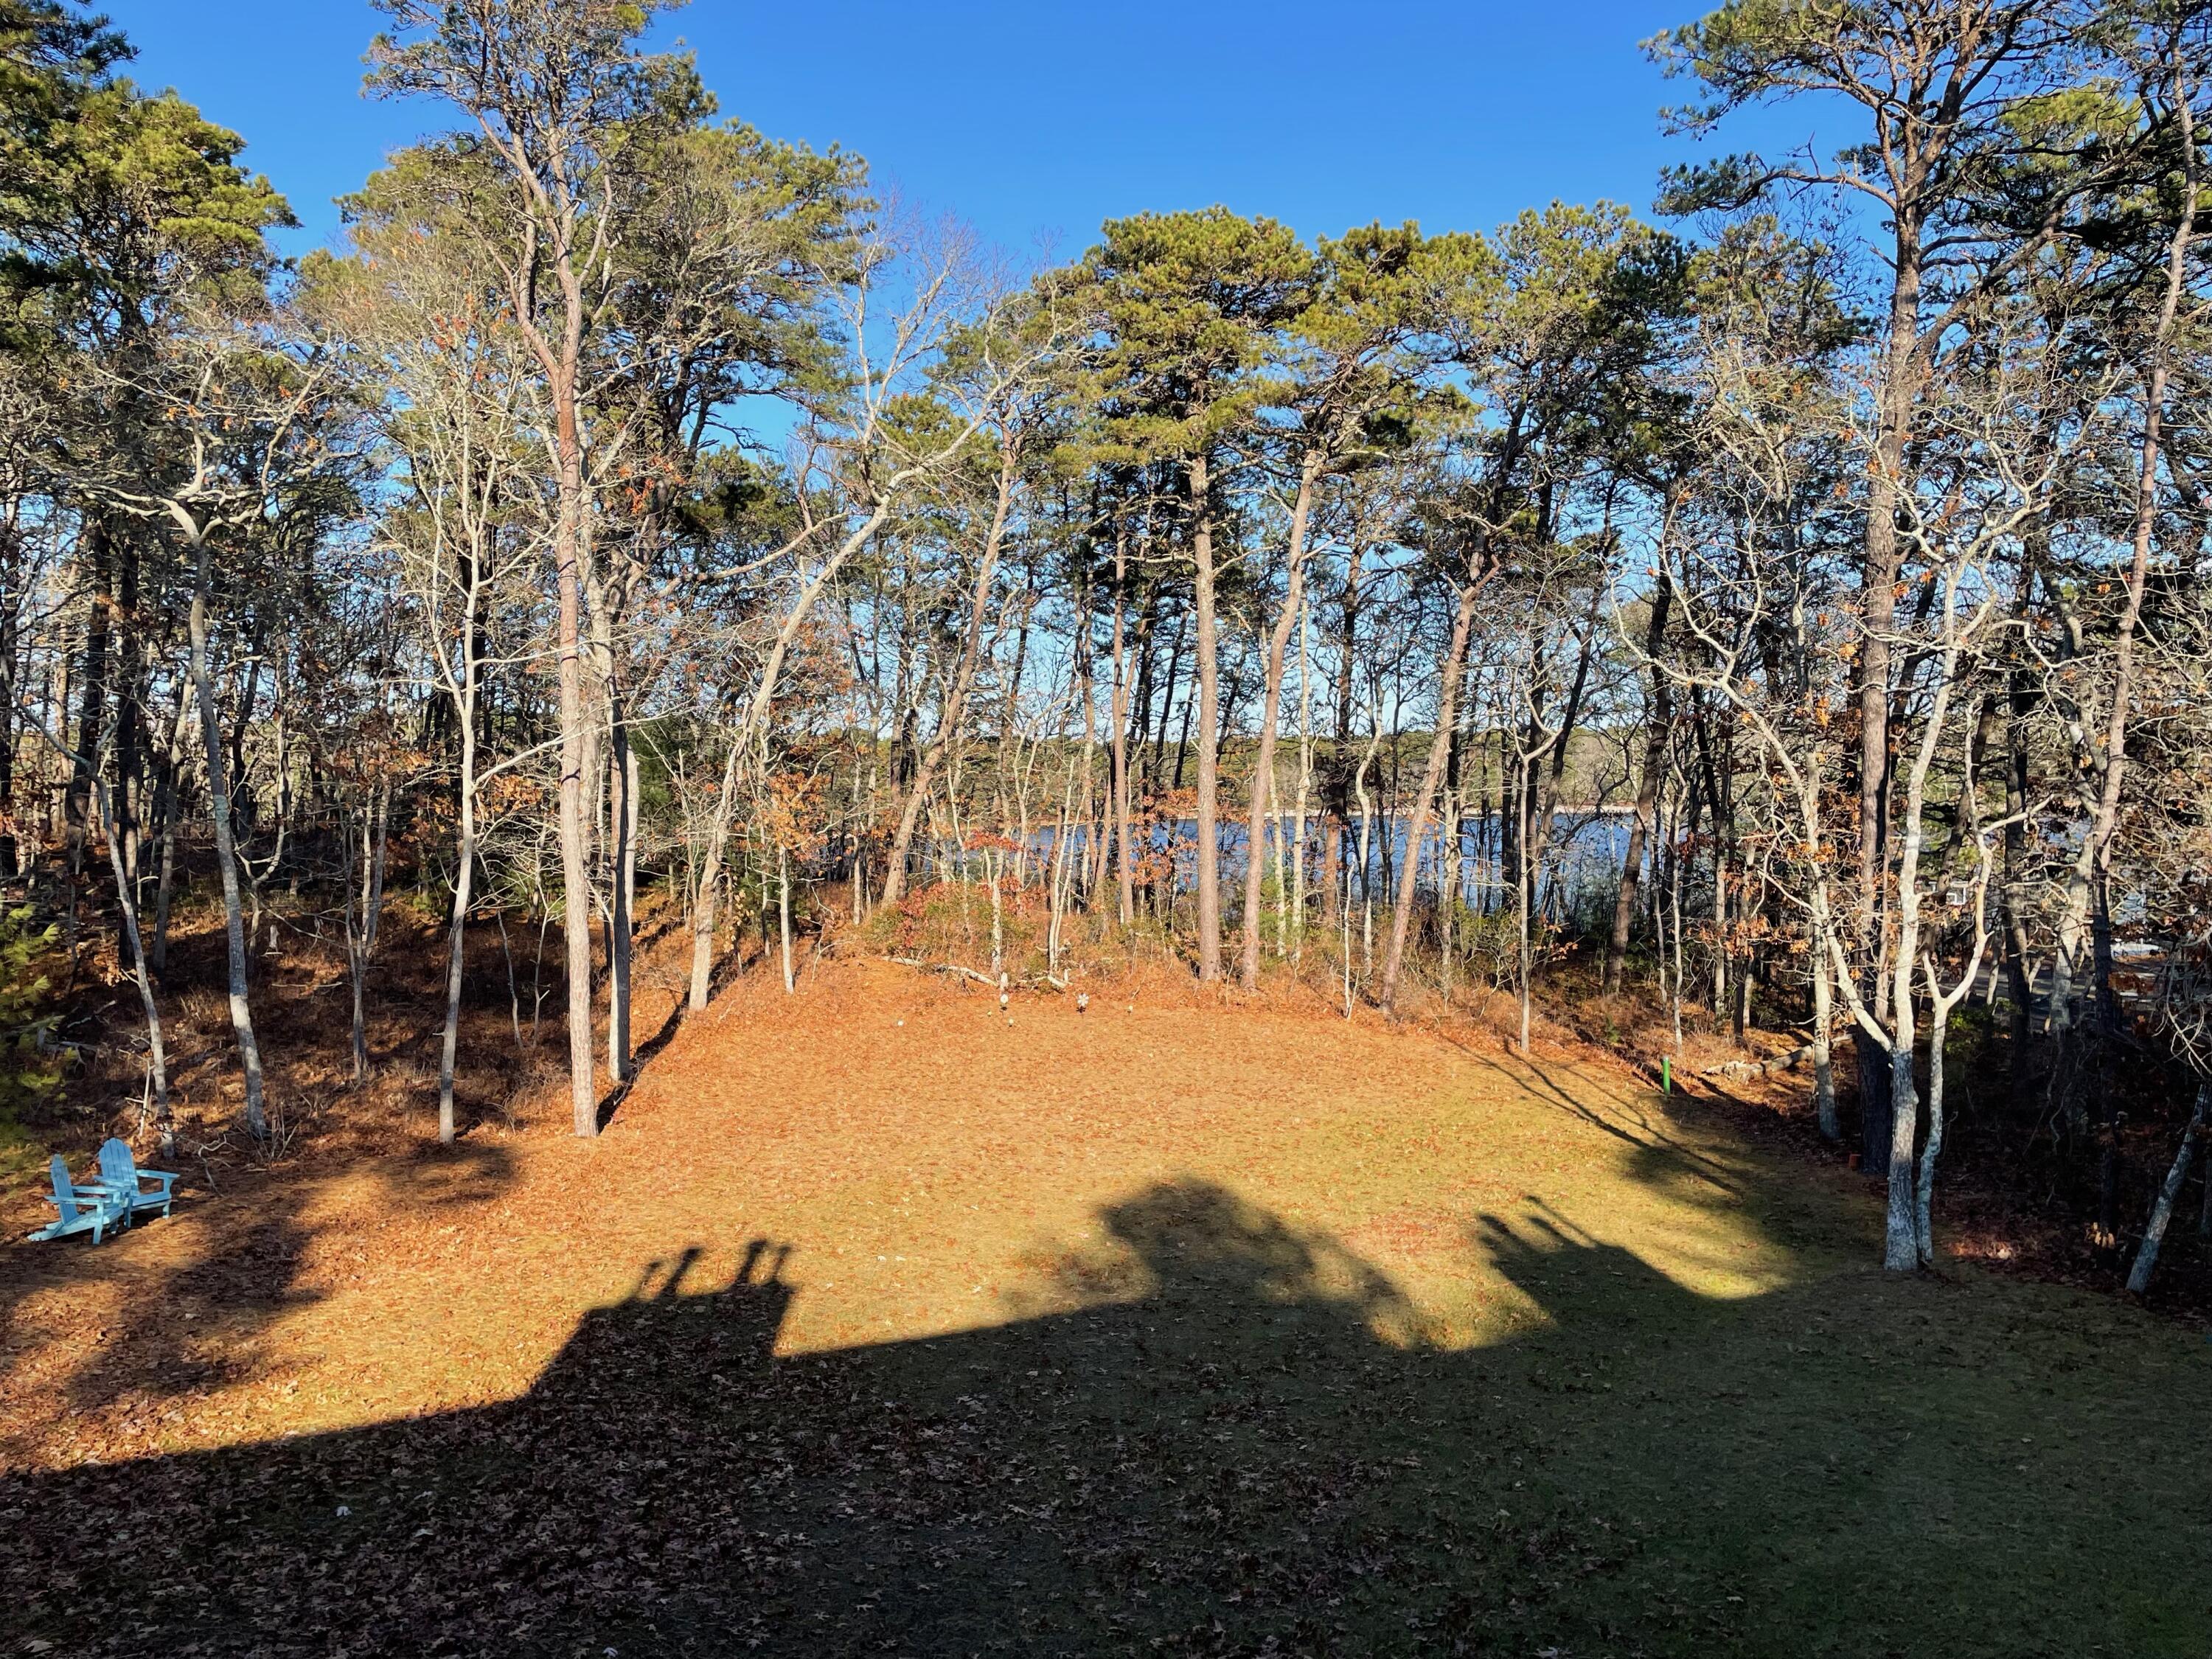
x: 879, y: 1321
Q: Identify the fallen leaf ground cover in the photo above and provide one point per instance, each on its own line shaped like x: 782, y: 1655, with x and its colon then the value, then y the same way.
x: 876, y: 1322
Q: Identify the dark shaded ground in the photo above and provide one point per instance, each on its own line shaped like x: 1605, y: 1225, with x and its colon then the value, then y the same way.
x: 1225, y: 1457
x: 2018, y: 1194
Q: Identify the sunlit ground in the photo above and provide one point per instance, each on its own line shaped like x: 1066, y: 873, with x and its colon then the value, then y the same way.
x: 1166, y: 1325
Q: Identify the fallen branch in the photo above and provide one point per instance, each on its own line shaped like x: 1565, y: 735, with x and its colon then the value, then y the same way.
x: 944, y: 968
x: 1739, y: 1069
x: 1058, y: 982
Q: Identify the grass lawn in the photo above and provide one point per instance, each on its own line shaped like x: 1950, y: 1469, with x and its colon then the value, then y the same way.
x: 874, y: 1324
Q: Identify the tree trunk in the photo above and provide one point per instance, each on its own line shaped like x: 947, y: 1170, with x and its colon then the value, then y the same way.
x: 1824, y: 1065
x: 710, y: 879
x: 621, y: 777
x: 1524, y: 876
x: 157, y: 1062
x: 756, y: 717
x: 361, y: 944
x: 1263, y: 773
x: 1336, y: 869
x: 576, y: 866
x: 1209, y: 729
x: 456, y: 933
x: 956, y: 696
x: 92, y: 720
x: 1647, y: 787
x: 2162, y: 1211
x: 1924, y: 1226
x: 783, y: 914
x: 1449, y: 672
x: 2089, y: 875
x: 11, y: 569
x: 1125, y: 867
x: 226, y: 852
x: 1901, y: 1234
x: 1885, y: 484
x: 129, y: 677
x: 170, y: 807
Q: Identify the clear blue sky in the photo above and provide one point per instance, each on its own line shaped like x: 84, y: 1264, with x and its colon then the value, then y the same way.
x: 1038, y: 118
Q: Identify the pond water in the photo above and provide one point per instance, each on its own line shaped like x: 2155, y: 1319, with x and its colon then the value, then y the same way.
x: 1585, y: 850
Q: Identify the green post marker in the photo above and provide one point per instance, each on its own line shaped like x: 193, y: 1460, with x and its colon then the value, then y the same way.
x: 1666, y: 1074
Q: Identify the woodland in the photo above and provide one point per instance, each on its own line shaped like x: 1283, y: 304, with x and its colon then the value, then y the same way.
x: 1783, y: 612
x: 642, y: 569
x: 1504, y: 934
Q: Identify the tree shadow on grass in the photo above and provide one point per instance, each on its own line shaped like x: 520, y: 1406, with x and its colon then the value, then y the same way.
x: 1648, y: 1131
x: 1228, y: 1434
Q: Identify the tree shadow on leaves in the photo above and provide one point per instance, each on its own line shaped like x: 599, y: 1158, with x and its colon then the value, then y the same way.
x: 170, y: 1309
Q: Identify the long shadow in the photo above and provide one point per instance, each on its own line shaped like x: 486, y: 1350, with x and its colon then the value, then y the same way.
x: 727, y: 969
x: 1654, y: 1145
x: 641, y: 1057
x: 1231, y: 1436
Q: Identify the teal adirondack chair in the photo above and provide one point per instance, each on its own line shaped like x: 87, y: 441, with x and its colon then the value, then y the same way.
x: 119, y: 1173
x: 92, y: 1208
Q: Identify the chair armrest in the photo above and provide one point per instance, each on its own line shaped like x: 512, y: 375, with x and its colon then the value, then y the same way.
x: 100, y: 1197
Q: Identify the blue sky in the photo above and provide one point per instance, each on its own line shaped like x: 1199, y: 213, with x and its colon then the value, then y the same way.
x: 1034, y: 121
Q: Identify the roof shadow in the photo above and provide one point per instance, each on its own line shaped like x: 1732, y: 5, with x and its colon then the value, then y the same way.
x: 1233, y: 1435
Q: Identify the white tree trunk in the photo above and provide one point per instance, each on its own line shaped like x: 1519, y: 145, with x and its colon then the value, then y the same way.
x: 2162, y: 1211
x: 225, y: 851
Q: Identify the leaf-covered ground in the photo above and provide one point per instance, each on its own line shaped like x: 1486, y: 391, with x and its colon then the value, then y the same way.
x: 875, y: 1323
